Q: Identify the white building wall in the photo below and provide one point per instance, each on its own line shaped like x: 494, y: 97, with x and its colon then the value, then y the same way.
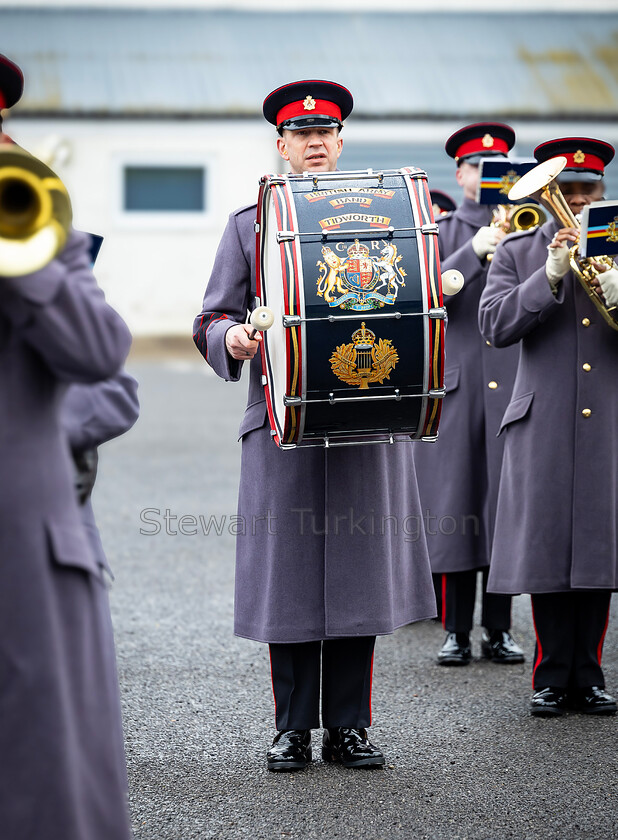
x: 153, y: 267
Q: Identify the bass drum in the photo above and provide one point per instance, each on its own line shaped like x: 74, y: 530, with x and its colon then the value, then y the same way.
x: 348, y: 263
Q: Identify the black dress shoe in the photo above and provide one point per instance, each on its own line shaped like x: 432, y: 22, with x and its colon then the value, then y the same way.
x: 350, y: 747
x: 548, y: 702
x: 594, y: 700
x: 291, y: 750
x: 455, y: 650
x: 500, y: 646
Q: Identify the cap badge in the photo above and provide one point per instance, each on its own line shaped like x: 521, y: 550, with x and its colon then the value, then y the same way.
x: 309, y: 103
x: 487, y: 141
x: 508, y: 180
x: 579, y: 156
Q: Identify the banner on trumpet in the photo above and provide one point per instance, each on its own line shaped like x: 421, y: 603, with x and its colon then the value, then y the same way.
x: 497, y: 176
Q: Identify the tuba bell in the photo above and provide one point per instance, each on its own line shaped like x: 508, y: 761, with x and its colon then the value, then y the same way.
x: 540, y: 183
x: 35, y: 213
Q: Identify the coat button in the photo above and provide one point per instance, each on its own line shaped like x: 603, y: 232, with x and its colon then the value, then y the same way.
x: 586, y: 412
x: 586, y: 366
x: 586, y: 322
x: 488, y: 343
x: 493, y: 385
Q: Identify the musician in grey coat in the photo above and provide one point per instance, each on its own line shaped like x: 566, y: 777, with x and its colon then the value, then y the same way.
x: 319, y: 574
x: 62, y: 768
x: 458, y: 476
x: 556, y: 528
x: 61, y: 741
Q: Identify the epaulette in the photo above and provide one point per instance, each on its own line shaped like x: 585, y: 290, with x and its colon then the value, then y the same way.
x: 517, y: 233
x: 245, y: 209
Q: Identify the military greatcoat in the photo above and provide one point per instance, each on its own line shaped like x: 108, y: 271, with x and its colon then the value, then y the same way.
x: 91, y: 415
x: 556, y: 526
x: 62, y: 771
x: 333, y: 543
x: 458, y: 476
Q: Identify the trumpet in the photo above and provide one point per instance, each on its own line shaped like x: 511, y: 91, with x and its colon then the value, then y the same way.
x: 35, y: 213
x: 540, y: 183
x: 516, y: 217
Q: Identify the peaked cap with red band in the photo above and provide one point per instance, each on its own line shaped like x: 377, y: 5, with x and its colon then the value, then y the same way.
x: 586, y: 157
x: 11, y: 82
x: 486, y: 139
x: 444, y: 201
x: 313, y: 103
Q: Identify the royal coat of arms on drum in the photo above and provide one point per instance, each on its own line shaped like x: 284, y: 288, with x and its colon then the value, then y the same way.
x: 360, y: 281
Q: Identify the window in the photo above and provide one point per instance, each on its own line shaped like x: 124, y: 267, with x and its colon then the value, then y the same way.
x: 165, y: 189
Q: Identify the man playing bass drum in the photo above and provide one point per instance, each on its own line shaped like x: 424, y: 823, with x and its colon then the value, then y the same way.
x: 318, y: 595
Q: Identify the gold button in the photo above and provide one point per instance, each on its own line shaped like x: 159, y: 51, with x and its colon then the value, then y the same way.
x: 586, y: 366
x: 586, y: 322
x: 493, y: 385
x: 488, y: 343
x: 586, y: 412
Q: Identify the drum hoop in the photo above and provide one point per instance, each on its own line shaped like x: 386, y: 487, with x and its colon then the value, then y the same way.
x: 262, y: 214
x: 423, y: 213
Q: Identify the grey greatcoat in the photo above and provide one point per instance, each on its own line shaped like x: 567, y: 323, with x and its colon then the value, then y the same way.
x: 556, y: 527
x: 91, y: 415
x: 458, y: 476
x: 62, y: 772
x: 332, y: 542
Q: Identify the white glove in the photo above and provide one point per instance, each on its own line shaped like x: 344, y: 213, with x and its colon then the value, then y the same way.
x: 557, y: 264
x: 608, y: 281
x: 485, y: 240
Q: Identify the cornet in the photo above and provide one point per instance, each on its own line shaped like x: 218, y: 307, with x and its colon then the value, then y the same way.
x: 540, y: 183
x: 516, y: 217
x: 35, y: 213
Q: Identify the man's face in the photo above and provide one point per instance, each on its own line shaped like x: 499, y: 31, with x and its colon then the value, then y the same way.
x: 579, y: 193
x: 467, y: 176
x: 311, y: 149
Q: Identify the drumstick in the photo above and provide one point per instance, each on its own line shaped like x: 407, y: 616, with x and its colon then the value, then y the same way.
x: 262, y: 318
x: 452, y: 281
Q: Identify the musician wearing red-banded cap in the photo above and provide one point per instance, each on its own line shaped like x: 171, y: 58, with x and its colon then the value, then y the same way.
x: 442, y: 202
x: 312, y: 580
x: 62, y: 768
x: 557, y: 518
x: 458, y: 477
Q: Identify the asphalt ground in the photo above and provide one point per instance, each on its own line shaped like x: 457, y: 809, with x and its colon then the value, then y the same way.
x: 463, y: 757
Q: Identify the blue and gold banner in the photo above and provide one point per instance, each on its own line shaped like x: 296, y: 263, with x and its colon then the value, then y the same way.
x: 497, y: 176
x: 599, y: 236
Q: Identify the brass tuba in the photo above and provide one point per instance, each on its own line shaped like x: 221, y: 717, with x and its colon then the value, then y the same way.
x: 541, y: 184
x: 35, y: 213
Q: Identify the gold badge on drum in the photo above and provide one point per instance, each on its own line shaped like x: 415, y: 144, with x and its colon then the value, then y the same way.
x: 360, y: 281
x: 364, y: 360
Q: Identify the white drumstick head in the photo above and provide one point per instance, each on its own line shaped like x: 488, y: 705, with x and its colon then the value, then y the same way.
x: 262, y: 318
x: 452, y: 281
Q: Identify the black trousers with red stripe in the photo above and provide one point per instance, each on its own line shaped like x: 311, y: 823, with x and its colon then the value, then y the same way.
x: 346, y: 669
x: 458, y: 599
x: 570, y: 630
